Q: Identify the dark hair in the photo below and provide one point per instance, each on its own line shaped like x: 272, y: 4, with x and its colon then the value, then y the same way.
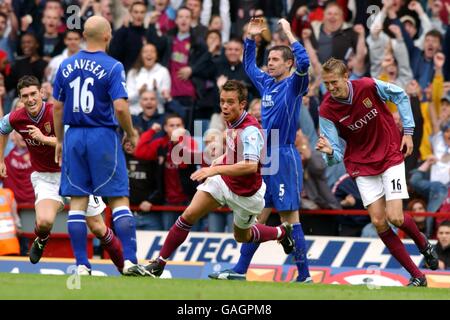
x: 445, y: 223
x: 73, y: 31
x: 234, y: 39
x: 4, y: 16
x: 333, y: 4
x: 171, y: 116
x: 285, y: 50
x: 184, y: 8
x: 335, y: 65
x: 57, y: 1
x: 434, y: 33
x: 135, y: 3
x: 238, y: 86
x: 28, y: 81
x: 212, y: 17
x: 139, y: 63
x: 213, y: 31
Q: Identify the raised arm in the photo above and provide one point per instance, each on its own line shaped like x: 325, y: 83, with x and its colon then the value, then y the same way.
x: 255, y: 27
x: 301, y: 58
x: 405, y: 74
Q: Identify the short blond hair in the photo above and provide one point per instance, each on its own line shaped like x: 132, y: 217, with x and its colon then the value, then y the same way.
x: 334, y: 65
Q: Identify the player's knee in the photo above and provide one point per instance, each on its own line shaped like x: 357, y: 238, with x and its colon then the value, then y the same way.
x: 189, y: 216
x: 44, y: 224
x: 242, y: 238
x: 379, y: 223
x: 396, y: 220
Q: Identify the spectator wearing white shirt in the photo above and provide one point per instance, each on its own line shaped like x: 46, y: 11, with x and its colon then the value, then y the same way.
x: 147, y: 74
x: 213, y: 8
x: 72, y: 41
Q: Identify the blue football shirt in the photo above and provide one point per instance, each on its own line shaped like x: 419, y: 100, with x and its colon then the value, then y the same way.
x: 281, y: 100
x: 88, y: 83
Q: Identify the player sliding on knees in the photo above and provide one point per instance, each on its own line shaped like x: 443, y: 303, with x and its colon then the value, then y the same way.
x: 89, y: 93
x: 356, y: 111
x: 234, y: 179
x: 34, y: 123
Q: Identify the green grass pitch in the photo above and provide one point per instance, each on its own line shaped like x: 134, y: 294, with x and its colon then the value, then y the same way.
x: 33, y: 286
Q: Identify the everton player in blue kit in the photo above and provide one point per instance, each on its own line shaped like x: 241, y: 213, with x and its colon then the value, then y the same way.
x: 90, y: 92
x: 281, y: 94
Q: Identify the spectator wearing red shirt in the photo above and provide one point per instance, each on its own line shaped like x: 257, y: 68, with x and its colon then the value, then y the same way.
x: 172, y: 173
x: 18, y: 166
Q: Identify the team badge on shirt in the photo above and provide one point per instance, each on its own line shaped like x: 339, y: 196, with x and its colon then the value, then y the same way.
x: 367, y: 103
x: 48, y: 127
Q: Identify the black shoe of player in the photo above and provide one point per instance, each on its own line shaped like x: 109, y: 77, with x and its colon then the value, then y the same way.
x: 287, y: 242
x: 417, y: 282
x: 431, y: 257
x: 155, y: 267
x: 36, y: 250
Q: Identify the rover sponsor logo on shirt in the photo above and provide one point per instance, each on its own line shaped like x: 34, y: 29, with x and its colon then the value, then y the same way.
x: 358, y: 124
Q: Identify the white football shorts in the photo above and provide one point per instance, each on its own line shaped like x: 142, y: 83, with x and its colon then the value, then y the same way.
x: 46, y: 186
x: 391, y: 183
x: 245, y: 209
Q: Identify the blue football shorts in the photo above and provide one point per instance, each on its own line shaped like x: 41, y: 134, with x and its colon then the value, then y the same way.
x: 93, y: 163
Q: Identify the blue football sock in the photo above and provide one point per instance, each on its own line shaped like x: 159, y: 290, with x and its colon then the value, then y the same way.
x: 76, y: 225
x: 125, y: 228
x: 300, y: 252
x: 247, y: 251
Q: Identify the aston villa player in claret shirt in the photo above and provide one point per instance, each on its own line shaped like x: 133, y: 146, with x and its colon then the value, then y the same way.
x: 34, y: 123
x: 356, y: 112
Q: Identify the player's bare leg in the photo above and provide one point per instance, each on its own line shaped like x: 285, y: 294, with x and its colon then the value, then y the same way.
x: 395, y: 215
x: 46, y: 210
x: 201, y: 204
x: 377, y: 211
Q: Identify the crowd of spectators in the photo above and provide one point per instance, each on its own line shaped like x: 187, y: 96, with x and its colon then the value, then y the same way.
x: 178, y: 53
